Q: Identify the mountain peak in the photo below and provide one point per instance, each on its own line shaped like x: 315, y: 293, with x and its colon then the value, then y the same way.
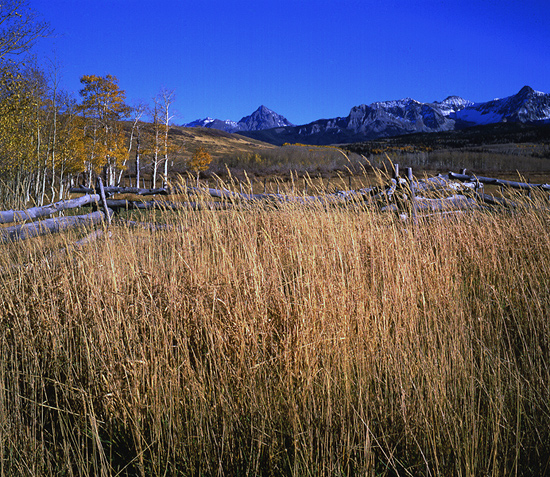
x: 527, y: 105
x: 526, y: 90
x: 391, y: 118
x: 263, y: 118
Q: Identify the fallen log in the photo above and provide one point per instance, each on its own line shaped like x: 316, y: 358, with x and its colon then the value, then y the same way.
x: 150, y: 226
x: 49, y: 226
x: 9, y: 216
x: 225, y: 194
x: 455, y: 202
x: 108, y: 212
x: 441, y: 183
x: 78, y: 245
x: 499, y: 182
x: 118, y: 204
x: 109, y: 191
x: 492, y: 200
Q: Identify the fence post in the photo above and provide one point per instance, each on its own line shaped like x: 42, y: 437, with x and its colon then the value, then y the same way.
x: 412, y: 190
x: 104, y: 200
x: 396, y: 171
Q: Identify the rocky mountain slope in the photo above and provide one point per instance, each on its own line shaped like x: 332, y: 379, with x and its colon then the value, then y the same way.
x: 262, y: 118
x: 526, y: 106
x: 406, y: 116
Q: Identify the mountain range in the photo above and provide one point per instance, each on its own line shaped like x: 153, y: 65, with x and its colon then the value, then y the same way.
x: 262, y: 118
x: 389, y: 118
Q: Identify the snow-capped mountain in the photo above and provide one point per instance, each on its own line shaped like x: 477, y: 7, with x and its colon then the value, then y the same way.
x: 452, y: 104
x: 365, y: 122
x: 526, y: 106
x: 227, y: 125
x: 405, y: 116
x: 262, y: 118
x: 390, y: 118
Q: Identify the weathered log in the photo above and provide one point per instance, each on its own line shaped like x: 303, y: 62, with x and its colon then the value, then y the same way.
x: 149, y: 226
x: 275, y: 198
x: 238, y: 196
x: 391, y: 191
x: 109, y: 191
x: 48, y: 226
x: 441, y: 183
x: 91, y: 237
x: 79, y: 244
x: 455, y: 202
x: 118, y: 204
x: 492, y: 200
x: 500, y: 182
x: 9, y: 216
x: 108, y: 212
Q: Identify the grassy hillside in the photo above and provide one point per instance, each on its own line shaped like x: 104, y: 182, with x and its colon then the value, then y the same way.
x: 185, y: 141
x: 219, y: 144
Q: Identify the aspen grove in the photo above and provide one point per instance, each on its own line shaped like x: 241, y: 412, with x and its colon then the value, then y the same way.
x: 50, y: 142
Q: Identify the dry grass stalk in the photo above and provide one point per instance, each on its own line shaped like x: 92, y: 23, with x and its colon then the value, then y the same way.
x: 291, y: 341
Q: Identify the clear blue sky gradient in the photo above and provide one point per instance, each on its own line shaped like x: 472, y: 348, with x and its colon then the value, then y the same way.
x: 305, y: 59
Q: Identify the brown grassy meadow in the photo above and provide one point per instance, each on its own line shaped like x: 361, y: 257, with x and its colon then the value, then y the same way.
x: 288, y: 341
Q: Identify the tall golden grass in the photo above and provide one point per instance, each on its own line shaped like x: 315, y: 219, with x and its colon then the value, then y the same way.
x: 288, y: 341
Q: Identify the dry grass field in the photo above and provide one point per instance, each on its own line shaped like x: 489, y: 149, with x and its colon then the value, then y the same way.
x: 280, y: 341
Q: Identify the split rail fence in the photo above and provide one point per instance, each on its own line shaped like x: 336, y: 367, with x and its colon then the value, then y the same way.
x: 405, y: 195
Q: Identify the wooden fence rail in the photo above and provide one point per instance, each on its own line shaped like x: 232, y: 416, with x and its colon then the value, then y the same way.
x: 49, y: 226
x: 456, y: 191
x: 499, y: 182
x: 10, y: 216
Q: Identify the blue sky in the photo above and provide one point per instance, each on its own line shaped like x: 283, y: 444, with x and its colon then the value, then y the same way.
x: 305, y: 59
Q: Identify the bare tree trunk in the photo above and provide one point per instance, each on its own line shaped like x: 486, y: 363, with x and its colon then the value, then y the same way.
x: 165, y: 178
x: 166, y: 98
x: 155, y: 168
x: 61, y: 189
x: 138, y: 165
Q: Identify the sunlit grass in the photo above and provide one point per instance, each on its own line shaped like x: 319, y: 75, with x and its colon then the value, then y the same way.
x: 291, y: 340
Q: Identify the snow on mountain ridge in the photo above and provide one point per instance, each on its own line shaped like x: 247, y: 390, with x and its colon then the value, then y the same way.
x: 396, y: 117
x: 262, y: 118
x: 527, y: 105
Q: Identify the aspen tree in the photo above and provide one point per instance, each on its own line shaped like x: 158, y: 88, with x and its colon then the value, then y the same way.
x: 20, y: 27
x: 200, y: 161
x: 135, y: 133
x: 156, y: 116
x: 165, y: 99
x: 103, y: 108
x: 19, y: 123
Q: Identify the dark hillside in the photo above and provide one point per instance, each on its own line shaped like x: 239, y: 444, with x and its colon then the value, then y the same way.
x: 500, y: 133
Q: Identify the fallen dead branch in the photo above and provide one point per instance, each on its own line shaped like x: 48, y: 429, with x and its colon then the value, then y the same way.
x: 123, y: 204
x: 149, y: 226
x: 49, y: 226
x: 499, y: 182
x: 9, y: 216
x: 109, y: 191
x: 455, y: 202
x: 231, y: 196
